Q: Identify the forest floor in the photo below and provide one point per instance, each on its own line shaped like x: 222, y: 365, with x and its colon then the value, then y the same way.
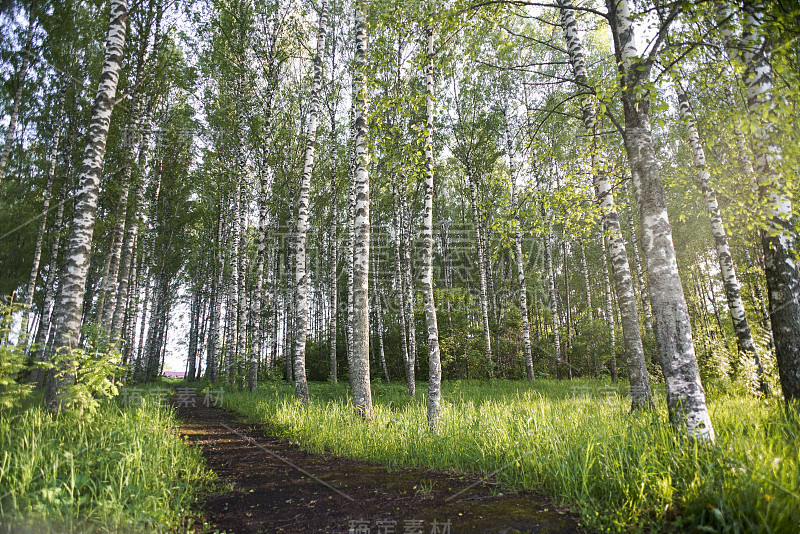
x: 272, y: 485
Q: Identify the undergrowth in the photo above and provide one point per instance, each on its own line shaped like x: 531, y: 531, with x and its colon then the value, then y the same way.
x: 577, y: 441
x: 123, y: 468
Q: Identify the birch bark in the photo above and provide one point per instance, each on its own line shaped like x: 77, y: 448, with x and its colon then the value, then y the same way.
x: 333, y: 327
x: 641, y: 395
x: 37, y: 253
x: 434, y: 400
x: 778, y: 239
x: 520, y: 259
x: 686, y: 398
x: 483, y: 296
x: 400, y: 287
x: 359, y: 372
x: 73, y: 280
x: 612, y: 327
x: 730, y: 281
x: 301, y: 280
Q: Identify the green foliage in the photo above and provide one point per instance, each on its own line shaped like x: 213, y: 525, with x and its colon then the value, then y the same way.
x: 575, y: 440
x: 125, y: 470
x: 95, y: 375
x: 12, y: 360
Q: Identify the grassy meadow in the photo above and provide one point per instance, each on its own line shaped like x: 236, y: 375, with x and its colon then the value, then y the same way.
x: 123, y: 468
x: 575, y: 441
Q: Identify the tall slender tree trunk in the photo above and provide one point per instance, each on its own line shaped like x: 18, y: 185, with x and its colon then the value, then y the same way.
x: 641, y: 394
x: 434, y: 400
x: 104, y: 282
x: 132, y: 139
x: 73, y: 279
x: 359, y: 372
x: 301, y: 280
x: 257, y: 310
x: 232, y: 298
x: 778, y: 240
x: 43, y: 331
x: 730, y: 281
x: 216, y: 304
x: 589, y: 304
x: 351, y: 239
x: 379, y: 313
x: 408, y: 278
x: 686, y: 398
x: 37, y: 253
x: 553, y: 291
x: 401, y: 288
x: 612, y: 335
x: 131, y: 309
x: 333, y: 326
x: 128, y: 251
x: 484, y: 300
x: 520, y: 259
x: 194, y: 326
x: 241, y: 265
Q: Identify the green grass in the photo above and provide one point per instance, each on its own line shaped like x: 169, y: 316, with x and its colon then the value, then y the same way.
x: 575, y: 441
x: 122, y: 469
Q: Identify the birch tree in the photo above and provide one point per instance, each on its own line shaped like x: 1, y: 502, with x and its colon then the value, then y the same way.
x: 426, y: 276
x: 359, y: 362
x: 778, y: 238
x: 686, y: 398
x: 520, y: 259
x: 73, y: 279
x: 730, y: 281
x: 301, y: 281
x: 641, y: 396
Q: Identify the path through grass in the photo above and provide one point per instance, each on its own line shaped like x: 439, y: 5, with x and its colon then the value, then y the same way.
x: 575, y: 441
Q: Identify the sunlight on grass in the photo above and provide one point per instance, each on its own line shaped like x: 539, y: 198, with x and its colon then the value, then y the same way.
x: 576, y: 441
x: 123, y: 470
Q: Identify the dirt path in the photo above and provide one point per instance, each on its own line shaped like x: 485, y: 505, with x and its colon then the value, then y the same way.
x: 277, y: 487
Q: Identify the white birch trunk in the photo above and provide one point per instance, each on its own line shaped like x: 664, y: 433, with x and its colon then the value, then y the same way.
x: 484, y: 300
x: 128, y: 250
x: 300, y: 277
x: 612, y: 327
x: 37, y: 253
x: 216, y: 305
x: 779, y: 238
x: 641, y: 395
x: 426, y: 276
x: 408, y: 282
x: 73, y: 280
x: 359, y: 372
x: 520, y: 259
x: 379, y: 316
x: 241, y: 264
x: 553, y: 292
x: 43, y: 331
x: 686, y: 398
x: 257, y: 310
x: 400, y: 287
x: 334, y: 274
x: 730, y: 281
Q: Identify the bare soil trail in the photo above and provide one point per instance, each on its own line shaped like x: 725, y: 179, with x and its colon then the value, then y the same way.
x: 275, y: 486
